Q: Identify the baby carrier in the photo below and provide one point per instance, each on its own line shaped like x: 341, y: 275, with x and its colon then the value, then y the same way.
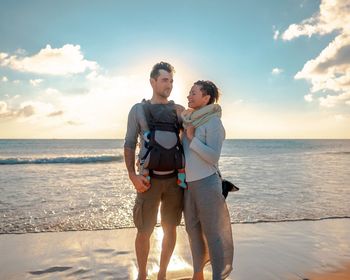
x: 164, y: 151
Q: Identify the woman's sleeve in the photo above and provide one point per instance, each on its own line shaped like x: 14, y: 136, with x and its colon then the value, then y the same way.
x: 215, y: 135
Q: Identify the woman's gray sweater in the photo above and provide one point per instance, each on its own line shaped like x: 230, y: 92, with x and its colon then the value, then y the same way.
x: 203, y: 152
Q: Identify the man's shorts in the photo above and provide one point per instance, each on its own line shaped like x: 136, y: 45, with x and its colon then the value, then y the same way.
x: 166, y: 191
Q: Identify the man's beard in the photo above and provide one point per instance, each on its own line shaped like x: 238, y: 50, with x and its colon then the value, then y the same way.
x: 165, y: 93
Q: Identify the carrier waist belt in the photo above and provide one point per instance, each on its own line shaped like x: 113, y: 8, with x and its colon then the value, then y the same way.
x: 163, y: 174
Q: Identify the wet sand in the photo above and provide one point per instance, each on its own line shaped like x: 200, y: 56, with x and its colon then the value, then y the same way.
x: 315, y: 250
x: 342, y: 273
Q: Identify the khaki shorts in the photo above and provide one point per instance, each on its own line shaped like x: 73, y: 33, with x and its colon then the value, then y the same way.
x: 146, y: 206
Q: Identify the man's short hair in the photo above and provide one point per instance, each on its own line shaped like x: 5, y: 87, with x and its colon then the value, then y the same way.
x: 161, y: 66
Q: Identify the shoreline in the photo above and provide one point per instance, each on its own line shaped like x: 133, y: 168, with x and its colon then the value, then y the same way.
x: 265, y: 251
x: 182, y: 225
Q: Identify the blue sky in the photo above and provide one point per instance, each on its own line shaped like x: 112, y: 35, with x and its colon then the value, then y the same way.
x: 73, y: 69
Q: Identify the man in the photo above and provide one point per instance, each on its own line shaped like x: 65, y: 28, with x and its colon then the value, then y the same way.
x: 161, y: 186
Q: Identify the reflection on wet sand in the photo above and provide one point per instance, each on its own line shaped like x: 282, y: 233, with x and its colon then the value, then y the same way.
x: 179, y: 267
x: 266, y: 251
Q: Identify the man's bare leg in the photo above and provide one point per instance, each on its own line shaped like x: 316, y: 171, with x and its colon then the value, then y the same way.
x: 168, y: 245
x: 142, y: 244
x: 198, y: 276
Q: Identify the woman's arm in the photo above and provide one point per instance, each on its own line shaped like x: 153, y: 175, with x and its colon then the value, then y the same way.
x: 215, y: 135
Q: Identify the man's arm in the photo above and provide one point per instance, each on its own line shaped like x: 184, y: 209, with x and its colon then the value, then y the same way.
x: 129, y: 157
x: 140, y: 182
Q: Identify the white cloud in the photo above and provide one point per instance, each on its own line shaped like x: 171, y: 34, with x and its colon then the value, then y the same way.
x: 308, y: 98
x: 333, y: 100
x: 330, y: 70
x: 100, y: 111
x: 3, y: 56
x: 60, y: 61
x: 35, y: 82
x: 276, y: 32
x: 56, y: 113
x: 296, y: 30
x: 276, y: 71
x: 3, y: 107
x: 106, y: 104
x: 73, y: 123
x: 52, y: 91
x: 32, y: 112
x: 333, y: 15
x: 4, y: 79
x: 24, y: 111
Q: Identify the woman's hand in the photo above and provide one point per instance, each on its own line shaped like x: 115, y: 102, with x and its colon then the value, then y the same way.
x: 190, y: 130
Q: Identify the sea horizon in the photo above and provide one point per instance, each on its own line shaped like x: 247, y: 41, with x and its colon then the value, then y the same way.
x: 225, y: 139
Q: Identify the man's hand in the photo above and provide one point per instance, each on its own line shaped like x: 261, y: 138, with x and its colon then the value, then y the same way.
x: 140, y: 183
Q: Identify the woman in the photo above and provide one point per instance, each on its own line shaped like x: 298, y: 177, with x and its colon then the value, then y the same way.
x: 206, y: 215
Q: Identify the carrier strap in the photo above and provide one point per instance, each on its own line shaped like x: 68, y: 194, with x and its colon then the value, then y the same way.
x: 164, y: 126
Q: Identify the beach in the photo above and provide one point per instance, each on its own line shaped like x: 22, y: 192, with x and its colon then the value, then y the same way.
x: 265, y: 251
x: 66, y: 211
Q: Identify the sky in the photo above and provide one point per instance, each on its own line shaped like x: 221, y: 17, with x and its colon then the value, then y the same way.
x: 73, y: 69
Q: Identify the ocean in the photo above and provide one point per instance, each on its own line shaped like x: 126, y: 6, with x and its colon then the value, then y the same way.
x: 69, y: 185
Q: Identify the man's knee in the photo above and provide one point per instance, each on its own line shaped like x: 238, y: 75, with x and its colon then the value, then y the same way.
x: 169, y: 229
x: 144, y: 235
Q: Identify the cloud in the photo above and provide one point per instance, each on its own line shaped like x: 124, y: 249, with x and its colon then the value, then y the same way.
x: 55, y: 114
x: 329, y: 72
x: 276, y: 71
x: 4, y: 79
x: 308, y: 97
x: 73, y: 123
x: 276, y: 32
x: 333, y: 100
x: 60, y: 61
x: 98, y: 107
x: 3, y: 56
x: 3, y: 107
x: 31, y: 111
x: 7, y: 113
x: 35, y: 82
x: 333, y: 15
x: 52, y: 91
x: 26, y: 111
x: 107, y: 100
